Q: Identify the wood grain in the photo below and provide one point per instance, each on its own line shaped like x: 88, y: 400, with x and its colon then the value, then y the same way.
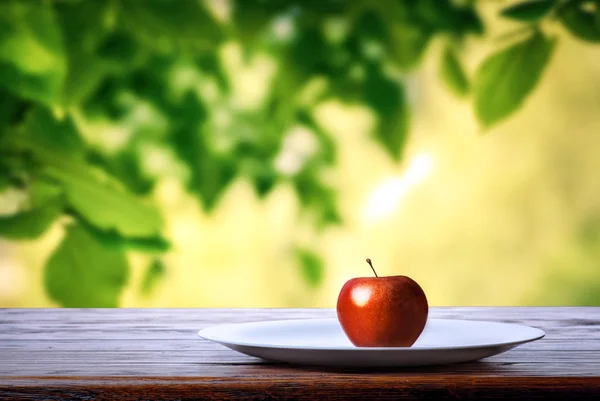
x: 156, y: 354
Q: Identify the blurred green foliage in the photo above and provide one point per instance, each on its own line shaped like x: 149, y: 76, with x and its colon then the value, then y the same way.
x: 66, y: 65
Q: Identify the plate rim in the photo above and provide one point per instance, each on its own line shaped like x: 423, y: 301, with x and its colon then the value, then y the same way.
x: 541, y: 334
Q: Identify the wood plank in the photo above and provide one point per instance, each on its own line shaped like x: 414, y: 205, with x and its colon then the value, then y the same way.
x: 99, y: 353
x: 337, y: 387
x: 93, y: 357
x: 194, y: 344
x: 245, y: 370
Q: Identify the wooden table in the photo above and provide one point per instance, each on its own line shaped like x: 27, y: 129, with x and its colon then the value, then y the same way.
x: 156, y: 354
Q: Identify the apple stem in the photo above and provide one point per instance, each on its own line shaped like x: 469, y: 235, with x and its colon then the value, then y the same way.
x: 372, y: 268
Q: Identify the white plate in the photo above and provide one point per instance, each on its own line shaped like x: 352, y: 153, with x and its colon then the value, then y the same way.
x: 323, y: 342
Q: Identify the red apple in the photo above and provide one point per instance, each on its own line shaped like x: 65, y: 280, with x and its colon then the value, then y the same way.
x: 382, y: 311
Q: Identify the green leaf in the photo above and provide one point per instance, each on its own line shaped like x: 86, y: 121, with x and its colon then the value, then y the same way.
x: 503, y: 80
x: 264, y: 178
x: 82, y: 29
x: 125, y: 166
x: 8, y: 104
x: 371, y: 25
x: 31, y: 223
x: 410, y: 43
x: 329, y: 213
x: 101, y: 200
x: 410, y: 28
x: 209, y: 63
x: 32, y: 61
x: 155, y: 272
x: 580, y: 22
x: 445, y: 16
x: 118, y: 47
x: 113, y: 240
x: 251, y: 20
x: 5, y: 176
x: 52, y: 134
x: 210, y: 173
x: 150, y: 84
x: 96, y: 196
x: 528, y: 11
x: 13, y: 109
x: 308, y: 53
x: 439, y: 14
x: 370, y: 32
x: 387, y: 99
x: 327, y: 149
x: 43, y: 191
x: 470, y: 21
x: 83, y: 273
x: 149, y: 244
x: 15, y: 168
x: 104, y: 102
x: 4, y: 180
x: 452, y: 73
x: 160, y: 22
x: 311, y: 267
x: 319, y: 8
x: 316, y: 198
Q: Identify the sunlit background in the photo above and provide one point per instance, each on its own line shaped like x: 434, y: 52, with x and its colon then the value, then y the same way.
x: 508, y: 215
